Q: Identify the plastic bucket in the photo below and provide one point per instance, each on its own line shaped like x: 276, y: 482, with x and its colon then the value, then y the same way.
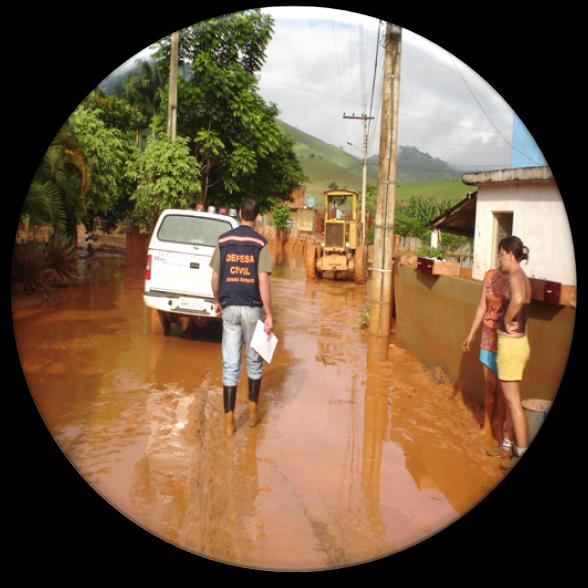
x: 535, y: 412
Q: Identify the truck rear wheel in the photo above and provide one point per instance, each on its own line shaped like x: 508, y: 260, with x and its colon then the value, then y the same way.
x: 311, y: 251
x: 160, y: 323
x: 361, y: 265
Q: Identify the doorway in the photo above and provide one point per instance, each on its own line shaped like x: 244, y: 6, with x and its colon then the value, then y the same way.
x: 503, y: 222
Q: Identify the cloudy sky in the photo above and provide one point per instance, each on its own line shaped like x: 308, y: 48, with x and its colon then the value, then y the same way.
x: 321, y: 63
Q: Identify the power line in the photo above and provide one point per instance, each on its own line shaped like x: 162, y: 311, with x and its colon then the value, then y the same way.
x: 487, y: 115
x: 402, y: 114
x: 307, y: 89
x: 362, y: 59
x: 478, y: 102
x: 337, y: 58
x: 374, y: 77
x: 441, y: 122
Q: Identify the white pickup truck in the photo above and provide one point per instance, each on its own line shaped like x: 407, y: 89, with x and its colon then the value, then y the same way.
x: 177, y: 273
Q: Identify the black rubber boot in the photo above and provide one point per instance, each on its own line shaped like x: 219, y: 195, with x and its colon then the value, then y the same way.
x: 229, y: 398
x: 254, y: 386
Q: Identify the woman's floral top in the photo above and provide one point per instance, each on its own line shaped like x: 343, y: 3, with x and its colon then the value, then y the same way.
x: 495, y: 286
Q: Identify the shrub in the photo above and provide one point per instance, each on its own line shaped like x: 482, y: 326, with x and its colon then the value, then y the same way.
x: 429, y: 252
x: 280, y: 216
x: 451, y: 242
x: 37, y: 266
x: 29, y: 268
x: 62, y: 261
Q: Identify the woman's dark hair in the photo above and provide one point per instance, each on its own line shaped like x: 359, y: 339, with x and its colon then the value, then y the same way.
x: 249, y: 209
x: 515, y: 246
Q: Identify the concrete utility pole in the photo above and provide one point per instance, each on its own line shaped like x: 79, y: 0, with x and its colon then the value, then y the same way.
x: 364, y: 118
x: 172, y: 109
x: 382, y: 289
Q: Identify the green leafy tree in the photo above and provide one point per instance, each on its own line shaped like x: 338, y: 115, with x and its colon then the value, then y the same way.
x: 370, y: 198
x: 277, y: 174
x: 239, y: 38
x: 233, y: 133
x: 144, y: 89
x: 57, y: 192
x: 280, y: 216
x: 166, y: 176
x: 107, y: 153
x: 427, y: 251
x: 450, y: 242
x: 412, y: 219
x: 43, y: 205
x: 117, y: 113
x: 407, y: 226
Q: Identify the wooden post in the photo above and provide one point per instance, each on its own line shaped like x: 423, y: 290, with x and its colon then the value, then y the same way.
x: 172, y: 109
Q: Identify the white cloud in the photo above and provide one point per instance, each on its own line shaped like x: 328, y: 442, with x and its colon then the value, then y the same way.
x: 320, y: 65
x: 321, y: 62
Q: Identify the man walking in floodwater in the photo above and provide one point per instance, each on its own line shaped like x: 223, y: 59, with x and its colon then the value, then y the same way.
x: 241, y: 267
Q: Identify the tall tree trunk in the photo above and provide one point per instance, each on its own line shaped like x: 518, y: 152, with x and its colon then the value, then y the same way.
x: 206, y: 167
x: 204, y: 187
x: 71, y: 227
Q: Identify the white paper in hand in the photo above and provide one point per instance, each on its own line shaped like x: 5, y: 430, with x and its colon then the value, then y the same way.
x: 263, y: 343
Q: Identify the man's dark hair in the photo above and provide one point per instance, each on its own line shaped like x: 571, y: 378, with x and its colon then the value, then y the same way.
x: 249, y: 209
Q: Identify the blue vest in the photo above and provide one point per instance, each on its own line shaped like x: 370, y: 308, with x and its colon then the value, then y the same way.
x: 239, y: 260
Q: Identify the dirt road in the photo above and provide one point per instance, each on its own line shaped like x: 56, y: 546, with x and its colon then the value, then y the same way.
x: 353, y: 458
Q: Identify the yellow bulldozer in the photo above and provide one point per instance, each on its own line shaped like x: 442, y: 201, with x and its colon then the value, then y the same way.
x: 341, y: 254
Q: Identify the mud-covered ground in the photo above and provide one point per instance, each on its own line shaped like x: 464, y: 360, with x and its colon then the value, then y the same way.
x: 352, y: 460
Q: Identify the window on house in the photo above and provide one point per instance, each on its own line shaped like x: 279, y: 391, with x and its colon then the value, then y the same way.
x: 502, y: 229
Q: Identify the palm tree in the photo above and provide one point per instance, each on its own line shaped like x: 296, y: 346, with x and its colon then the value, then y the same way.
x: 43, y: 204
x: 144, y: 88
x: 56, y: 195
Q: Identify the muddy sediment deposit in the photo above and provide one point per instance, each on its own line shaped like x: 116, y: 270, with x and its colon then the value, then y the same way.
x: 353, y: 458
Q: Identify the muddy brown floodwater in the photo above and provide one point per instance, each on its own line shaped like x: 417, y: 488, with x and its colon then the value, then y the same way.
x: 352, y: 460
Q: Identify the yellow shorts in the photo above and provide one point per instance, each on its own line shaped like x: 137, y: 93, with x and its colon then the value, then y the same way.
x: 511, y: 357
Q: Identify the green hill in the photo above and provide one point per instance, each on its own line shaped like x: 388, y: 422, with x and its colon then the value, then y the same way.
x: 419, y: 174
x: 453, y: 190
x: 324, y: 164
x: 414, y: 166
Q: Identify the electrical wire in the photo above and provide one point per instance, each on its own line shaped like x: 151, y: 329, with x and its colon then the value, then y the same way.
x: 306, y: 89
x: 337, y: 60
x: 487, y: 115
x: 374, y: 76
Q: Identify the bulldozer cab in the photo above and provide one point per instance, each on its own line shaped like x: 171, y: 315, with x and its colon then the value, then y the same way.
x: 341, y: 220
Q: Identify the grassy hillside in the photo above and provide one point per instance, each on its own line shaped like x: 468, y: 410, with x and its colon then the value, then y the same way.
x: 419, y: 174
x: 324, y: 164
x: 453, y: 190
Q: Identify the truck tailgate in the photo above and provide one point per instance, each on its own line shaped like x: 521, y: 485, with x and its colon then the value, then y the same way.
x: 179, y: 272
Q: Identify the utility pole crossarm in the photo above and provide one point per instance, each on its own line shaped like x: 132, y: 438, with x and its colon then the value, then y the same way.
x: 362, y: 117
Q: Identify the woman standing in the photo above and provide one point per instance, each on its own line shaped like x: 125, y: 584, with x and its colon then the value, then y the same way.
x: 488, y: 314
x: 513, y: 345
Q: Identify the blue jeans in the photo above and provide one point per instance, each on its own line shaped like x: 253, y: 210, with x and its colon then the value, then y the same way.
x: 238, y: 326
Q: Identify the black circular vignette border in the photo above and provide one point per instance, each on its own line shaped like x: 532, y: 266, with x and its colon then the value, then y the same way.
x: 58, y: 522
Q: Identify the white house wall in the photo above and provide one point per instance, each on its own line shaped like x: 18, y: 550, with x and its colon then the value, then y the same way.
x: 539, y: 219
